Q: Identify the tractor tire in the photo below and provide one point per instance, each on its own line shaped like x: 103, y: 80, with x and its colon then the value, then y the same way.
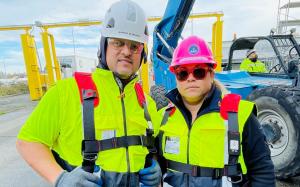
x: 158, y: 94
x: 279, y: 108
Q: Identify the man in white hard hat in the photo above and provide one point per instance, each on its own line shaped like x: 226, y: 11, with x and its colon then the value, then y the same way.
x: 252, y: 64
x: 66, y: 142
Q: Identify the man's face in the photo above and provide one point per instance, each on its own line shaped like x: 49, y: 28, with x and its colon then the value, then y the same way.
x: 253, y: 55
x: 123, y: 56
x: 196, y: 84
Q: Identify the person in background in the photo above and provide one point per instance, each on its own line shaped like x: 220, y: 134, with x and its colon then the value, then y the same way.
x: 252, y: 64
x: 209, y: 138
x: 66, y: 141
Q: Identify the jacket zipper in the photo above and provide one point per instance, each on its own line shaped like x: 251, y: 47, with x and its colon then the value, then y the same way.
x: 125, y: 133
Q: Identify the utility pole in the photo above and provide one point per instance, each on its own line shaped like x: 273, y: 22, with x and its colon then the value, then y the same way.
x: 73, y: 42
x: 5, y: 75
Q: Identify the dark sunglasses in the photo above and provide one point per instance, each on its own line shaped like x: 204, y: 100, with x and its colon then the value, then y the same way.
x: 182, y: 74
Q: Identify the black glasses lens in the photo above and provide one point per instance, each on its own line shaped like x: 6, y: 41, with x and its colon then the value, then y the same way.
x: 199, y: 73
x: 182, y: 75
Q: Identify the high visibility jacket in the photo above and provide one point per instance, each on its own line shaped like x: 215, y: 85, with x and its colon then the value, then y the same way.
x: 248, y: 65
x: 57, y: 122
x: 201, y: 143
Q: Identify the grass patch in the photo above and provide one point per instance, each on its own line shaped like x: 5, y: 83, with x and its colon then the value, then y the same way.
x: 17, y: 88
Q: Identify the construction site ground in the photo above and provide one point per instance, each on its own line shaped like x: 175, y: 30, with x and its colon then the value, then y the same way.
x: 14, y: 172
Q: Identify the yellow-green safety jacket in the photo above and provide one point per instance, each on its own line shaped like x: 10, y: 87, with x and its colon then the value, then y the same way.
x: 57, y: 123
x: 199, y: 144
x: 256, y: 67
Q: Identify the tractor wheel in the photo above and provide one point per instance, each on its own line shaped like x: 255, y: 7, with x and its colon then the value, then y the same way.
x: 279, y: 114
x: 158, y: 94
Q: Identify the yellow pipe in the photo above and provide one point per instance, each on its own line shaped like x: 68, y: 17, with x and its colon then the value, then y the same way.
x: 206, y: 15
x: 54, y: 57
x: 144, y: 74
x: 48, y: 58
x: 97, y: 22
x: 16, y: 27
x: 218, y: 44
x: 69, y: 24
x: 32, y: 68
x: 213, y: 39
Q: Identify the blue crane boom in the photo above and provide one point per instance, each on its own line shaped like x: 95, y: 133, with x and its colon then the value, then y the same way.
x: 165, y: 38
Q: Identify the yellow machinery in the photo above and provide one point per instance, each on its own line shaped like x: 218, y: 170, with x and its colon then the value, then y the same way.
x: 38, y: 83
x: 31, y: 60
x: 52, y: 65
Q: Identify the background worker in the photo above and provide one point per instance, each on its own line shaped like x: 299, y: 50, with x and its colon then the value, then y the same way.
x: 120, y: 126
x: 194, y: 145
x: 252, y: 64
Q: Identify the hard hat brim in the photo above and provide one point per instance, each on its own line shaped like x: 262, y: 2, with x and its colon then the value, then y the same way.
x: 192, y: 61
x: 126, y: 36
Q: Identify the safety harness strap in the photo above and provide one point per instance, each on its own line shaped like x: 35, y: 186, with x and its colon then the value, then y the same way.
x: 161, y: 133
x: 234, y: 148
x: 198, y: 171
x: 89, y: 98
x: 229, y: 111
x: 90, y: 147
x: 89, y: 157
x: 85, y: 82
x: 142, y: 101
x: 117, y: 142
x: 149, y: 131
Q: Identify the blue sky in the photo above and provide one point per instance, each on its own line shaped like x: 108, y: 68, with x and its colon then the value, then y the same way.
x: 246, y: 18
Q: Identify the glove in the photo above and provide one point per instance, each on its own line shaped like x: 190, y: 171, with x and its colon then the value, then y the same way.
x: 78, y: 178
x: 151, y: 176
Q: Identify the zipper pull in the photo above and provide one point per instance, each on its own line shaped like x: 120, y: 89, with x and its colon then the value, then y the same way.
x: 122, y: 95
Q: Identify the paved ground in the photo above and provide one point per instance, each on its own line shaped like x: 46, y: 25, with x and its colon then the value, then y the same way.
x: 14, y: 172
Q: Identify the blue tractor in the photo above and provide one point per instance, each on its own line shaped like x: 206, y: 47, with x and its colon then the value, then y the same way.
x: 276, y: 92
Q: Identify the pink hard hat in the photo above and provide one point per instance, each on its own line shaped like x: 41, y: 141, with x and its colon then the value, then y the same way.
x: 192, y: 50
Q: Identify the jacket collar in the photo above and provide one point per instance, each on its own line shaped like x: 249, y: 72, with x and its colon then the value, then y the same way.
x: 211, y: 103
x: 110, y: 76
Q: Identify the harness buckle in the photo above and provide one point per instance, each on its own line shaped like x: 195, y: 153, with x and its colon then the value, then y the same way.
x: 142, y: 142
x: 234, y: 143
x: 114, y: 142
x: 217, y: 173
x: 195, y: 171
x: 90, y: 156
x: 90, y: 149
x: 149, y: 132
x: 89, y: 94
x: 239, y: 179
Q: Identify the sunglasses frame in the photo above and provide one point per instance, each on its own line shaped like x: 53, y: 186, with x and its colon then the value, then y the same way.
x: 191, y: 70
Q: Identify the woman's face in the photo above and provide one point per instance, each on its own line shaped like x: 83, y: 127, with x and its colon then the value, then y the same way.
x: 194, y: 81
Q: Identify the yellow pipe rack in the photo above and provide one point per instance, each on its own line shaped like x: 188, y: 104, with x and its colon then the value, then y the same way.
x: 38, y: 82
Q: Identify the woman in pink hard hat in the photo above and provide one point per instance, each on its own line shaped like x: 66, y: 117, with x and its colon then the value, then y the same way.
x: 208, y: 138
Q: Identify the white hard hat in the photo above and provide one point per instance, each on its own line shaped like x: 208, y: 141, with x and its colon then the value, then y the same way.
x: 250, y: 51
x: 125, y: 19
